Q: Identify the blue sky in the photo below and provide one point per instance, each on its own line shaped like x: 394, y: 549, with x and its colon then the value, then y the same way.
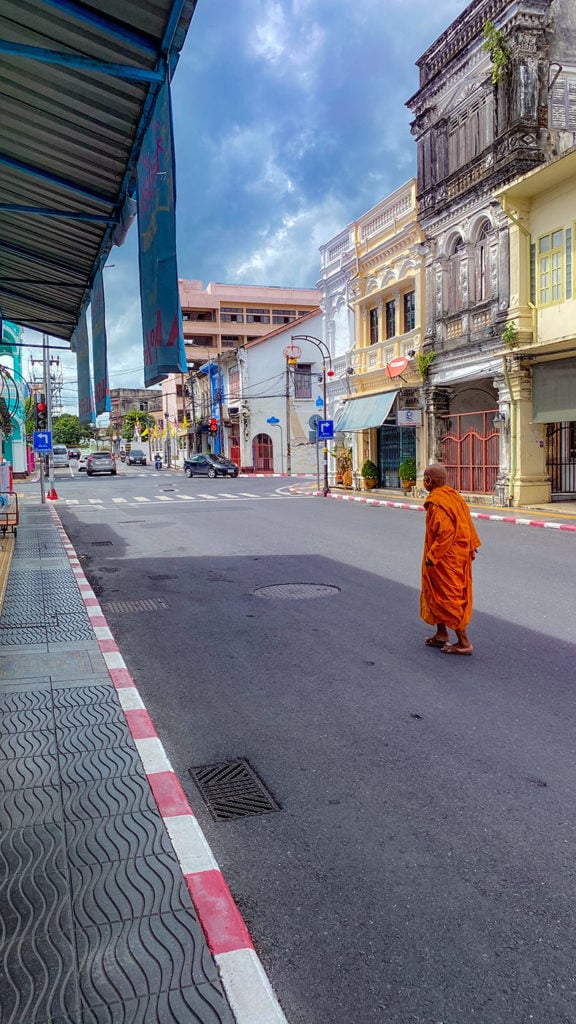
x: 290, y: 122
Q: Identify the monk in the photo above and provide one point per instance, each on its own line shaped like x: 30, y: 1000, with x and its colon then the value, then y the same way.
x: 450, y: 547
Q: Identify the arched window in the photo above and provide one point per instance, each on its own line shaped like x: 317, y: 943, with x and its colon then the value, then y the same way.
x: 455, y: 275
x: 263, y: 453
x: 481, y: 264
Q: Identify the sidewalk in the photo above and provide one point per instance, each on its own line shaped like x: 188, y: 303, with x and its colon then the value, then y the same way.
x: 113, y: 909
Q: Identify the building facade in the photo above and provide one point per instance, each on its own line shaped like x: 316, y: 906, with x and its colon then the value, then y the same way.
x: 497, y: 98
x: 373, y: 303
x: 217, y: 320
x: 540, y: 334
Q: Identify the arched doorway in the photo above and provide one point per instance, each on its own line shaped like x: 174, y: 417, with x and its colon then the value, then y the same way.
x: 263, y: 453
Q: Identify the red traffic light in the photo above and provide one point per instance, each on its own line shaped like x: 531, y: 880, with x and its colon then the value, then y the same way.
x: 329, y: 373
x: 213, y: 426
x: 41, y: 406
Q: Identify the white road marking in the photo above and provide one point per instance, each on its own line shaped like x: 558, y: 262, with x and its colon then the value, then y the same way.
x: 208, y: 497
x: 142, y: 499
x: 95, y: 501
x: 119, y: 501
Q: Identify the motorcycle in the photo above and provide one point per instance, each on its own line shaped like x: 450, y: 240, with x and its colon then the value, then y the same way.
x: 122, y: 456
x: 157, y: 462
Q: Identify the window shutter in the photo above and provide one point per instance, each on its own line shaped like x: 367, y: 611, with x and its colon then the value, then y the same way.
x: 533, y: 273
x: 568, y: 263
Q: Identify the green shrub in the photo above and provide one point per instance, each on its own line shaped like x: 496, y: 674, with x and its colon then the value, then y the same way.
x: 369, y: 470
x: 407, y: 469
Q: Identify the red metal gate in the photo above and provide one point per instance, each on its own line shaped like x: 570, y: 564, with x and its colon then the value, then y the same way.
x: 471, y: 451
x: 263, y: 453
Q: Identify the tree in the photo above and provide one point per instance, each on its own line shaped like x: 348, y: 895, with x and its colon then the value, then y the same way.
x: 130, y: 420
x: 66, y: 430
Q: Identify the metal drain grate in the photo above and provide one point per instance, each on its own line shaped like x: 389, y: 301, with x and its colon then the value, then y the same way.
x: 231, y: 789
x: 297, y: 591
x: 101, y: 543
x: 151, y: 604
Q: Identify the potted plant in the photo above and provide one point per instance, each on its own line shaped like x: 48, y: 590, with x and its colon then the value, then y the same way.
x: 369, y: 474
x: 407, y: 472
x: 343, y: 456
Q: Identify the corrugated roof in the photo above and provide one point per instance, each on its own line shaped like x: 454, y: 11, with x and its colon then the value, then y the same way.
x: 77, y: 86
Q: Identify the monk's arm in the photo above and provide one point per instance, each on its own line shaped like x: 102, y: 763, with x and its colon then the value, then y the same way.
x: 443, y: 531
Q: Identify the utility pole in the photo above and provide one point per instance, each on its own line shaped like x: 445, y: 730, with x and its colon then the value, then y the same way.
x: 48, y: 393
x: 292, y: 354
x: 193, y: 409
x: 220, y: 417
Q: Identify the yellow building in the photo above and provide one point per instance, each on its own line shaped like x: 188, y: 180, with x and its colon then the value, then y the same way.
x: 539, y: 420
x: 385, y: 412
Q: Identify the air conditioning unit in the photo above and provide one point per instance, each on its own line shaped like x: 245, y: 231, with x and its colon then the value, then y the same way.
x: 230, y: 412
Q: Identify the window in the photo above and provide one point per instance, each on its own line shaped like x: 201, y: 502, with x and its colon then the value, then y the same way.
x: 232, y: 314
x: 303, y: 380
x: 470, y: 131
x: 234, y: 383
x: 481, y: 264
x: 283, y: 316
x: 199, y: 315
x: 455, y: 276
x: 373, y: 315
x: 550, y: 268
x: 390, y: 319
x: 258, y: 316
x: 409, y: 311
x: 202, y: 341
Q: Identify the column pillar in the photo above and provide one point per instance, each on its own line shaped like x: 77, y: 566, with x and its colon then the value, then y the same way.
x: 529, y: 482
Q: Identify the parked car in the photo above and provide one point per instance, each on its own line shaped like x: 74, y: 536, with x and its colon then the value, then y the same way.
x: 82, y: 462
x: 59, y: 456
x: 100, y: 462
x: 211, y: 465
x: 136, y: 457
x: 74, y: 453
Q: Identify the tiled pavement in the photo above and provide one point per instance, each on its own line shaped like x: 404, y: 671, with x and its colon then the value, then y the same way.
x: 96, y: 921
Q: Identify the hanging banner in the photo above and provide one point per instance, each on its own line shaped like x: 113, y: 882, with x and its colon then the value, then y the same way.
x: 79, y: 345
x: 161, y: 315
x: 100, y: 347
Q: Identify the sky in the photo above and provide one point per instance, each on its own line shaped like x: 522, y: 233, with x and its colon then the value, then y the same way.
x: 289, y: 123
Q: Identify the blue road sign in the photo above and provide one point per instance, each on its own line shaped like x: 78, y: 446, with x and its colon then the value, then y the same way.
x: 42, y: 440
x: 272, y: 419
x: 319, y: 402
x: 326, y: 429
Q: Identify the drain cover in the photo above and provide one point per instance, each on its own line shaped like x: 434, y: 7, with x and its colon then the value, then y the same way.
x: 147, y: 604
x: 297, y: 591
x: 101, y: 543
x: 232, y: 789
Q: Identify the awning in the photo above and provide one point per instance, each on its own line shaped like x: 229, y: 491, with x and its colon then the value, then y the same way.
x: 554, y: 391
x: 362, y: 413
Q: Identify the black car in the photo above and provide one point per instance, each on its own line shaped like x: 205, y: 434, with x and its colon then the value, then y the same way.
x: 211, y: 465
x: 136, y: 457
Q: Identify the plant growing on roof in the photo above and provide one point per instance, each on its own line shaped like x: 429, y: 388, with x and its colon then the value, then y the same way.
x: 423, y: 360
x: 510, y: 334
x: 496, y: 46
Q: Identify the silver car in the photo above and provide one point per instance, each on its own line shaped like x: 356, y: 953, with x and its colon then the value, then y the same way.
x: 100, y: 462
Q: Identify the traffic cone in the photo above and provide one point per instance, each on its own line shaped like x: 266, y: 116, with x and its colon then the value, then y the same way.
x: 52, y: 496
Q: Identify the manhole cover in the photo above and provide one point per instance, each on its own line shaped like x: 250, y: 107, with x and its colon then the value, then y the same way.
x: 297, y: 591
x: 232, y: 789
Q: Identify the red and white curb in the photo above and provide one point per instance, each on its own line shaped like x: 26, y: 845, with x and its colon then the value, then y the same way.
x: 243, y: 977
x: 493, y: 518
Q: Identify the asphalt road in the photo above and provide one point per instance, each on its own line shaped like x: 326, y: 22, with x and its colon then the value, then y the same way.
x: 421, y: 869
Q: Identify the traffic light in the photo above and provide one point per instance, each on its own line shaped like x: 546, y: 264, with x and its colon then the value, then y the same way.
x: 41, y: 413
x: 213, y: 426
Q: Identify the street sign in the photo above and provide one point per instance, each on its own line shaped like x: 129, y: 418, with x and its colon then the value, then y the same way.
x: 314, y: 421
x: 325, y: 429
x: 319, y: 402
x: 42, y: 440
x: 272, y: 419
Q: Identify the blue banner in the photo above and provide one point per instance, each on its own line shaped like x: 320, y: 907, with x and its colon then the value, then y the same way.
x: 79, y: 345
x: 161, y: 315
x: 100, y: 347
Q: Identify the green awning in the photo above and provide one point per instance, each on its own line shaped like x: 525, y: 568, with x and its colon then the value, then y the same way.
x: 362, y: 413
x: 554, y: 391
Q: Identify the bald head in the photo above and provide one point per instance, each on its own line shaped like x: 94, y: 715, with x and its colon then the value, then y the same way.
x: 434, y: 476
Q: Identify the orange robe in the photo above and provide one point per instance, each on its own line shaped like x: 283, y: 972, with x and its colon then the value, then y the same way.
x: 450, y: 544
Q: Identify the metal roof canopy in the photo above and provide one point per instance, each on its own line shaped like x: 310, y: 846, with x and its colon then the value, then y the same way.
x: 78, y: 81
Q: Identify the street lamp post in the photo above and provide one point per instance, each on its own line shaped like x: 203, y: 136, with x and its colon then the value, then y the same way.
x: 326, y: 358
x: 275, y: 422
x: 168, y: 446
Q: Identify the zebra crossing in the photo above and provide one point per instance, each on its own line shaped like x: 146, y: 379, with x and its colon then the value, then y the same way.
x: 163, y: 499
